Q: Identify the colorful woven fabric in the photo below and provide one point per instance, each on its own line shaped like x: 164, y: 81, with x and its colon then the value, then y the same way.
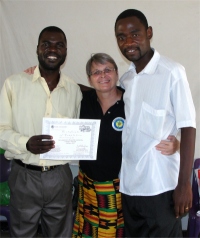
x: 99, y: 212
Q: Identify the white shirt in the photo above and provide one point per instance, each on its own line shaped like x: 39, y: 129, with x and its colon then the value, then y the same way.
x: 158, y: 102
x: 24, y: 101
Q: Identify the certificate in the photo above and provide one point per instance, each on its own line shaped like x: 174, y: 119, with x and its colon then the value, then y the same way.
x: 75, y: 139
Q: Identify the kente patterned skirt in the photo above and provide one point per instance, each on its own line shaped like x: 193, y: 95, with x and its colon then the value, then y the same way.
x: 99, y: 211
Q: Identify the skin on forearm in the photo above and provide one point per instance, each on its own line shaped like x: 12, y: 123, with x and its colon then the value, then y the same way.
x: 183, y: 192
x: 187, y: 147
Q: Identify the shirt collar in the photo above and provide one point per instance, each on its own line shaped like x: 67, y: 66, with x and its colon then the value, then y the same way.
x: 37, y: 76
x: 151, y: 66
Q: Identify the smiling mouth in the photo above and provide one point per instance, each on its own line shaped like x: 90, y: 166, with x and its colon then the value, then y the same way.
x: 104, y: 81
x: 52, y: 57
x: 131, y: 51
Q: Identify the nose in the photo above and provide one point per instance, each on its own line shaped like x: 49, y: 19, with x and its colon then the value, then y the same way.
x: 102, y: 74
x: 129, y: 40
x: 52, y: 47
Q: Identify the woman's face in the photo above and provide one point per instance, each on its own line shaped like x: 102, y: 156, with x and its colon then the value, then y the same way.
x: 103, y: 77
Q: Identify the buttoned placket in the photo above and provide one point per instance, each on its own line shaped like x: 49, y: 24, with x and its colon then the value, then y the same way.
x: 133, y: 85
x: 48, y: 111
x: 109, y: 111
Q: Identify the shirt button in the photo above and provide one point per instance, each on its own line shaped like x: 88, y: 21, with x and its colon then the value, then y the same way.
x: 108, y: 112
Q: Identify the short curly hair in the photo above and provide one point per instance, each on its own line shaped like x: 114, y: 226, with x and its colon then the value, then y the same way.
x: 133, y: 13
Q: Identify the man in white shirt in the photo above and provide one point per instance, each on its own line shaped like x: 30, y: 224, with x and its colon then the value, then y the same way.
x: 41, y: 190
x: 156, y: 189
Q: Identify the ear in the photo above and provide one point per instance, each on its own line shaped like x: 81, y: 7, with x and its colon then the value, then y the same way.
x: 149, y: 32
x: 37, y: 50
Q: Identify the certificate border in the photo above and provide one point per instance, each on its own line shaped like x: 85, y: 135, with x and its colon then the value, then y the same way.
x: 47, y: 122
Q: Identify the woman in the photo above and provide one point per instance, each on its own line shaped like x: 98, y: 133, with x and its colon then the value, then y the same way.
x: 99, y: 211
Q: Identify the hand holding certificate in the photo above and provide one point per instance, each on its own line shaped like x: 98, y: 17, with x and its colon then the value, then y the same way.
x: 75, y: 139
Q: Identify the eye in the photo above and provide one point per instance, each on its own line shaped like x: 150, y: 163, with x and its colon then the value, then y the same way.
x: 107, y: 71
x: 120, y: 38
x: 45, y: 44
x: 96, y: 73
x: 60, y: 45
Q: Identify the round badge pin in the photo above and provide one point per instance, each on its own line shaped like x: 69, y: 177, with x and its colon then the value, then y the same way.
x: 118, y: 123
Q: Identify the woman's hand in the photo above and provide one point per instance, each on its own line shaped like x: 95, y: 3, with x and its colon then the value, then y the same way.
x: 30, y: 70
x: 169, y: 146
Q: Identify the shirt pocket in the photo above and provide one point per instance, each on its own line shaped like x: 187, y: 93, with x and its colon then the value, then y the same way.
x: 151, y: 121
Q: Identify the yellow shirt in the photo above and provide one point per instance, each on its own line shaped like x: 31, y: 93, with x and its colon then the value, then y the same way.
x: 24, y: 101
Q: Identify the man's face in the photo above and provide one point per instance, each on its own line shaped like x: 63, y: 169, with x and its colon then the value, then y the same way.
x: 133, y: 38
x: 51, y: 50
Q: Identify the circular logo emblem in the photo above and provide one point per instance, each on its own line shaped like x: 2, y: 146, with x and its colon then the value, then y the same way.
x: 118, y: 123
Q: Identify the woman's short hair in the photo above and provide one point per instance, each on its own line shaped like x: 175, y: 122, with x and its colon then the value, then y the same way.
x: 100, y: 58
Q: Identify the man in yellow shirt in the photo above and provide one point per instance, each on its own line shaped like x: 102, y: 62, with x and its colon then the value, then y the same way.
x: 40, y: 189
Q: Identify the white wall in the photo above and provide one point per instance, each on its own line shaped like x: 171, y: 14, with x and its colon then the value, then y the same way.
x: 89, y: 27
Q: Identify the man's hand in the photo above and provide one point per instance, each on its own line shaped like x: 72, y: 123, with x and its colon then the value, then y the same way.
x: 30, y: 70
x: 169, y: 146
x: 40, y: 144
x: 182, y: 197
